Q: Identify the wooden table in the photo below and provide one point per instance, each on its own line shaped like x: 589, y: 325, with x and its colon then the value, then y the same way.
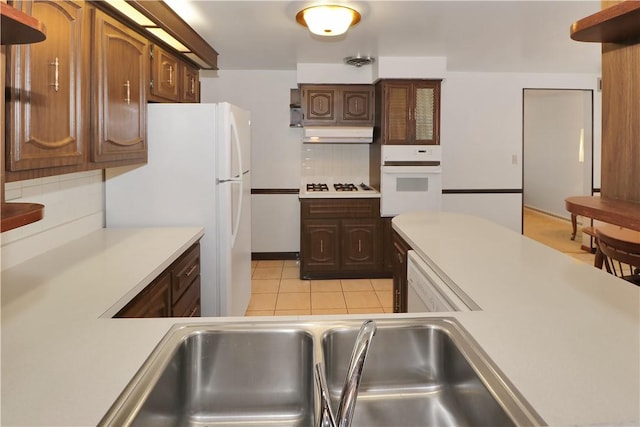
x: 618, y: 212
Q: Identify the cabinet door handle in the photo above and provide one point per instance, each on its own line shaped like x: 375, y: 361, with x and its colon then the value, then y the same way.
x: 359, y: 245
x: 321, y: 246
x: 193, y: 85
x: 194, y: 311
x: 127, y: 97
x: 56, y: 74
x: 191, y: 270
x: 170, y: 75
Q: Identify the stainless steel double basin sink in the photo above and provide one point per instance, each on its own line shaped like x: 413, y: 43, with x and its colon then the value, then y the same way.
x: 419, y: 372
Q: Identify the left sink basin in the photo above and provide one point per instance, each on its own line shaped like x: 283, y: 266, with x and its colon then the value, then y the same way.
x: 189, y: 380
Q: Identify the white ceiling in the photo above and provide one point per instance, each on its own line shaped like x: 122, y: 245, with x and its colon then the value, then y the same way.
x: 509, y: 36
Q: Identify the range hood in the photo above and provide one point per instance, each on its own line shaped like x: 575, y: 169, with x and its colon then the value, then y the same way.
x: 338, y: 134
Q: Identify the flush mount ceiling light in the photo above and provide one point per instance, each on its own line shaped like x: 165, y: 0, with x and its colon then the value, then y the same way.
x: 328, y: 20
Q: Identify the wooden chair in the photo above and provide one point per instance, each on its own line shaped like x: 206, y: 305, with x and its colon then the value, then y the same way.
x: 619, y: 255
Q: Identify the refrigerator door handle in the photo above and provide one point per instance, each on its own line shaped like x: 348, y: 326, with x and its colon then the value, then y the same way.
x: 234, y: 179
x: 236, y: 226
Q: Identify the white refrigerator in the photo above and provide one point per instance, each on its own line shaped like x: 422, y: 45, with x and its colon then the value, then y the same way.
x: 198, y: 174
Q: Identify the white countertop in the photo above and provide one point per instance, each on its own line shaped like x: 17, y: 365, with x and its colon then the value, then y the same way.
x: 333, y: 194
x: 64, y: 361
x: 566, y: 335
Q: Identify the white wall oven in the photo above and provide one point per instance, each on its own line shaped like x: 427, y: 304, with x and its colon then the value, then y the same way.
x: 410, y: 179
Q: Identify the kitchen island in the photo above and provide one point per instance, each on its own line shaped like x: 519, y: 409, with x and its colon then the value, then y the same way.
x: 565, y: 334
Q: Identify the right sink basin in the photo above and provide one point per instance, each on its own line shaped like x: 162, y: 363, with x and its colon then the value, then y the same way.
x: 428, y: 374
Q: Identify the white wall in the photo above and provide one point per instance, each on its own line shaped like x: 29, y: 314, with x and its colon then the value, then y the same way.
x: 275, y: 150
x: 275, y: 147
x: 503, y: 209
x: 481, y: 133
x: 74, y: 207
x: 554, y: 121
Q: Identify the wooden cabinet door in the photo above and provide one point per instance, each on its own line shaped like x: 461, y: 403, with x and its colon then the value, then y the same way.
x: 165, y: 74
x: 153, y: 301
x: 397, y: 126
x: 361, y: 244
x: 400, y: 283
x: 425, y: 120
x: 319, y: 105
x: 411, y: 112
x: 120, y: 70
x: 357, y: 105
x: 47, y: 111
x: 190, y: 84
x: 188, y: 305
x: 320, y: 249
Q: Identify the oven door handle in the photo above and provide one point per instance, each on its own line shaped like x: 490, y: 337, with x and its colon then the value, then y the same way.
x: 402, y: 170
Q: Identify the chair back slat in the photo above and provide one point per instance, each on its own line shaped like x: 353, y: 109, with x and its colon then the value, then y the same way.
x: 621, y: 257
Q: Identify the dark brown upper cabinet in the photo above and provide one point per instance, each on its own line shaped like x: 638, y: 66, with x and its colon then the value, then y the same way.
x: 47, y: 91
x: 165, y: 78
x: 190, y: 83
x: 172, y: 79
x: 120, y: 70
x: 337, y: 105
x: 409, y: 111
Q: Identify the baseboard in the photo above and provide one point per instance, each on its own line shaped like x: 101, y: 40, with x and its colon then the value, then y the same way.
x: 542, y: 211
x: 275, y: 255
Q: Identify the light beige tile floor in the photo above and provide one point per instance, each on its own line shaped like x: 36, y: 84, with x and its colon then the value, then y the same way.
x: 277, y: 289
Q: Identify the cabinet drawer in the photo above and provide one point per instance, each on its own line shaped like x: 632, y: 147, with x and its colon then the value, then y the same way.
x: 340, y: 208
x: 189, y: 304
x: 153, y: 301
x: 186, y: 269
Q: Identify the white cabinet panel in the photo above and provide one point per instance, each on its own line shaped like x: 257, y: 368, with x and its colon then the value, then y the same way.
x: 275, y: 223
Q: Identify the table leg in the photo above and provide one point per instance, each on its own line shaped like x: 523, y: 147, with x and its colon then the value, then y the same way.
x: 574, y: 226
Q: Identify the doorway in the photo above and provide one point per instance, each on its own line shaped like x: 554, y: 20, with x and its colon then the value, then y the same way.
x: 557, y: 160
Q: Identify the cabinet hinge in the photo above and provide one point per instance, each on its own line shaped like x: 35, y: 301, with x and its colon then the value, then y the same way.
x: 151, y: 52
x: 151, y: 84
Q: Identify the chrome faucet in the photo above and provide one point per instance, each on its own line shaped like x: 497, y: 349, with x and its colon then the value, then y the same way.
x: 352, y: 381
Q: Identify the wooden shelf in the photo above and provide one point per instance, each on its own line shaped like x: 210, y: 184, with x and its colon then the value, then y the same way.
x: 619, y: 23
x: 19, y: 28
x: 16, y: 215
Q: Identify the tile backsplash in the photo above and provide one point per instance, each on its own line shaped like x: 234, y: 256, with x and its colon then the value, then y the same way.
x: 73, y: 207
x: 335, y: 163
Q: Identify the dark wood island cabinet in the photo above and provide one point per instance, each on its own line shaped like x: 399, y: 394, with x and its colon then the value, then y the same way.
x: 174, y: 293
x: 400, y: 282
x: 341, y: 238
